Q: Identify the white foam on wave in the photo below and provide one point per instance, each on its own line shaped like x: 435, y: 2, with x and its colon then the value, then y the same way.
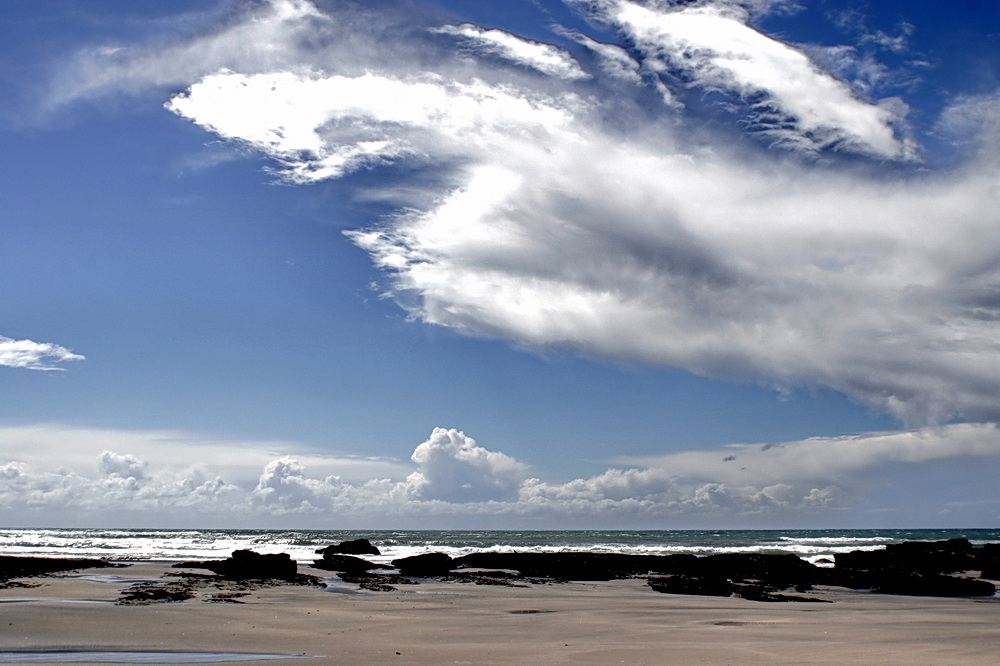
x: 838, y: 540
x: 144, y: 544
x: 302, y: 546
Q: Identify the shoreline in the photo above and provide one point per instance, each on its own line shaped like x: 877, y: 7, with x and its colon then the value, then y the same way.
x: 596, y: 622
x: 207, y: 544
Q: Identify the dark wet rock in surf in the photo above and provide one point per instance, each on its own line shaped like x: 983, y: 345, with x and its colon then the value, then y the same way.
x: 425, y: 565
x: 350, y: 547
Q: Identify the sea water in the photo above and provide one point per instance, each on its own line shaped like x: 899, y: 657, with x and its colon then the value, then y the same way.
x: 179, y: 545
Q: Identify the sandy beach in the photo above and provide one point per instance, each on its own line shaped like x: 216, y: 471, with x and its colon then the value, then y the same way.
x: 612, y: 622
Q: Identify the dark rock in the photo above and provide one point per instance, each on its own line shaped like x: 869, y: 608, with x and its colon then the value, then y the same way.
x: 778, y: 570
x: 19, y: 567
x: 761, y: 593
x: 578, y: 566
x: 913, y: 557
x: 917, y: 568
x: 709, y: 587
x: 246, y: 564
x: 716, y: 586
x: 377, y: 582
x: 487, y: 578
x: 987, y: 560
x: 934, y: 585
x: 351, y: 547
x: 933, y: 556
x: 190, y: 585
x: 346, y: 563
x: 142, y: 594
x: 428, y: 564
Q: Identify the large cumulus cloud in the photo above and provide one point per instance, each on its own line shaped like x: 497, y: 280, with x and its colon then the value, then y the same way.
x: 697, y: 194
x: 451, y: 466
x: 565, y: 213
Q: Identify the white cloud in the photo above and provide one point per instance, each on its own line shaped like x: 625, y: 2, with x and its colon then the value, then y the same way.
x: 974, y: 120
x: 545, y: 58
x: 617, y: 62
x: 123, y: 466
x: 452, y: 467
x: 613, y: 59
x: 572, y: 220
x: 173, y: 454
x: 815, y: 476
x: 284, y: 487
x: 797, y: 103
x: 321, y: 127
x: 572, y: 215
x: 828, y: 459
x: 269, y: 36
x: 33, y: 355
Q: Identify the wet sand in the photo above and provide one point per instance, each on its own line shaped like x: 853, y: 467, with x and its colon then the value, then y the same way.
x: 611, y: 622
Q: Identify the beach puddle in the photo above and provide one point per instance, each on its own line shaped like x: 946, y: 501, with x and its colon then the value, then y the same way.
x: 743, y: 623
x: 110, y: 578
x: 338, y: 587
x: 126, y: 657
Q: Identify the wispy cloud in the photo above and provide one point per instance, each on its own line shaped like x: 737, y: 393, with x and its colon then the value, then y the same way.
x: 33, y: 355
x: 792, y: 101
x: 266, y: 38
x: 545, y: 58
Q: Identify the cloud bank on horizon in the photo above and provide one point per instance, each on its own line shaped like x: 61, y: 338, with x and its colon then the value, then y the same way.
x: 696, y: 194
x: 450, y: 477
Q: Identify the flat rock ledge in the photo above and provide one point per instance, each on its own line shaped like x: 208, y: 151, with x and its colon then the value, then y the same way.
x: 951, y: 568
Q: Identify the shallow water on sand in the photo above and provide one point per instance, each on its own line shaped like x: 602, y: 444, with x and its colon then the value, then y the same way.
x: 125, y: 657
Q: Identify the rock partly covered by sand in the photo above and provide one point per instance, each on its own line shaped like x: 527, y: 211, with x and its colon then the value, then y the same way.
x: 346, y: 563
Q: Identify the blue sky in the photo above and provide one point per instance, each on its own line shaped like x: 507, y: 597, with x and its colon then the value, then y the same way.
x: 481, y: 264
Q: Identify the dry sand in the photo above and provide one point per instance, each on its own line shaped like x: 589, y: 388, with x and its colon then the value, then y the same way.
x: 456, y: 623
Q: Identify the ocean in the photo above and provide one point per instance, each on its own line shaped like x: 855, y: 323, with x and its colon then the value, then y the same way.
x: 179, y: 545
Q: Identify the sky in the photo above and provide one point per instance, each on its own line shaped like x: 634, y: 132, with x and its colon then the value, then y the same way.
x: 536, y: 264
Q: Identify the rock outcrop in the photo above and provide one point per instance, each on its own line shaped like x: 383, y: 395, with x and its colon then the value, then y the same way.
x: 12, y: 566
x: 247, y: 565
x: 351, y: 547
x: 425, y: 565
x: 919, y: 568
x: 779, y: 570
